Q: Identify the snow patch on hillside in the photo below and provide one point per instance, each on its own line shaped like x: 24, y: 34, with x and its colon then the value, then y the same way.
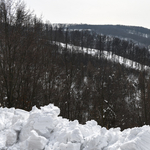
x: 43, y: 129
x: 107, y: 55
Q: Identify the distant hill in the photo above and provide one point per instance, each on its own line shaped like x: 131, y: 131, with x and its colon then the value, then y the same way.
x: 138, y: 34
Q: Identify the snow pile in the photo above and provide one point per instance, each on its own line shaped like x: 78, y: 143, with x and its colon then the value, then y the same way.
x: 43, y: 129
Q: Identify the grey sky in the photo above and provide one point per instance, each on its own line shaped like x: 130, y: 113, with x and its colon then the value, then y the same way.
x: 124, y: 12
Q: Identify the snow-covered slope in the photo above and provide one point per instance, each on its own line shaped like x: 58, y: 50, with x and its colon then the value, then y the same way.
x: 107, y: 55
x: 43, y: 129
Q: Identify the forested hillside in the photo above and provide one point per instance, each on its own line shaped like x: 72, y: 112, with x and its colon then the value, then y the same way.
x: 139, y: 34
x: 36, y: 70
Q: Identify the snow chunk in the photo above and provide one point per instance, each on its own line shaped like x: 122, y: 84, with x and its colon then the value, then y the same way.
x: 53, y: 110
x: 95, y: 142
x: 11, y: 137
x: 70, y: 146
x: 36, y: 142
x: 76, y: 136
x: 2, y: 140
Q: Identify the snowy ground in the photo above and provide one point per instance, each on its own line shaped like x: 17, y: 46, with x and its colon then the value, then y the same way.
x: 43, y: 129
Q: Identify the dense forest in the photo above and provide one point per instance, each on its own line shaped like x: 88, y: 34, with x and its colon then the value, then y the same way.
x: 35, y: 69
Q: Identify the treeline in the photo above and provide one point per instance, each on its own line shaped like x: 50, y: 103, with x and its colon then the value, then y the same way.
x: 36, y: 70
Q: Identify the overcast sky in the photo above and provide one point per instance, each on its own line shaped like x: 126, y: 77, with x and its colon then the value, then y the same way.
x: 124, y: 12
